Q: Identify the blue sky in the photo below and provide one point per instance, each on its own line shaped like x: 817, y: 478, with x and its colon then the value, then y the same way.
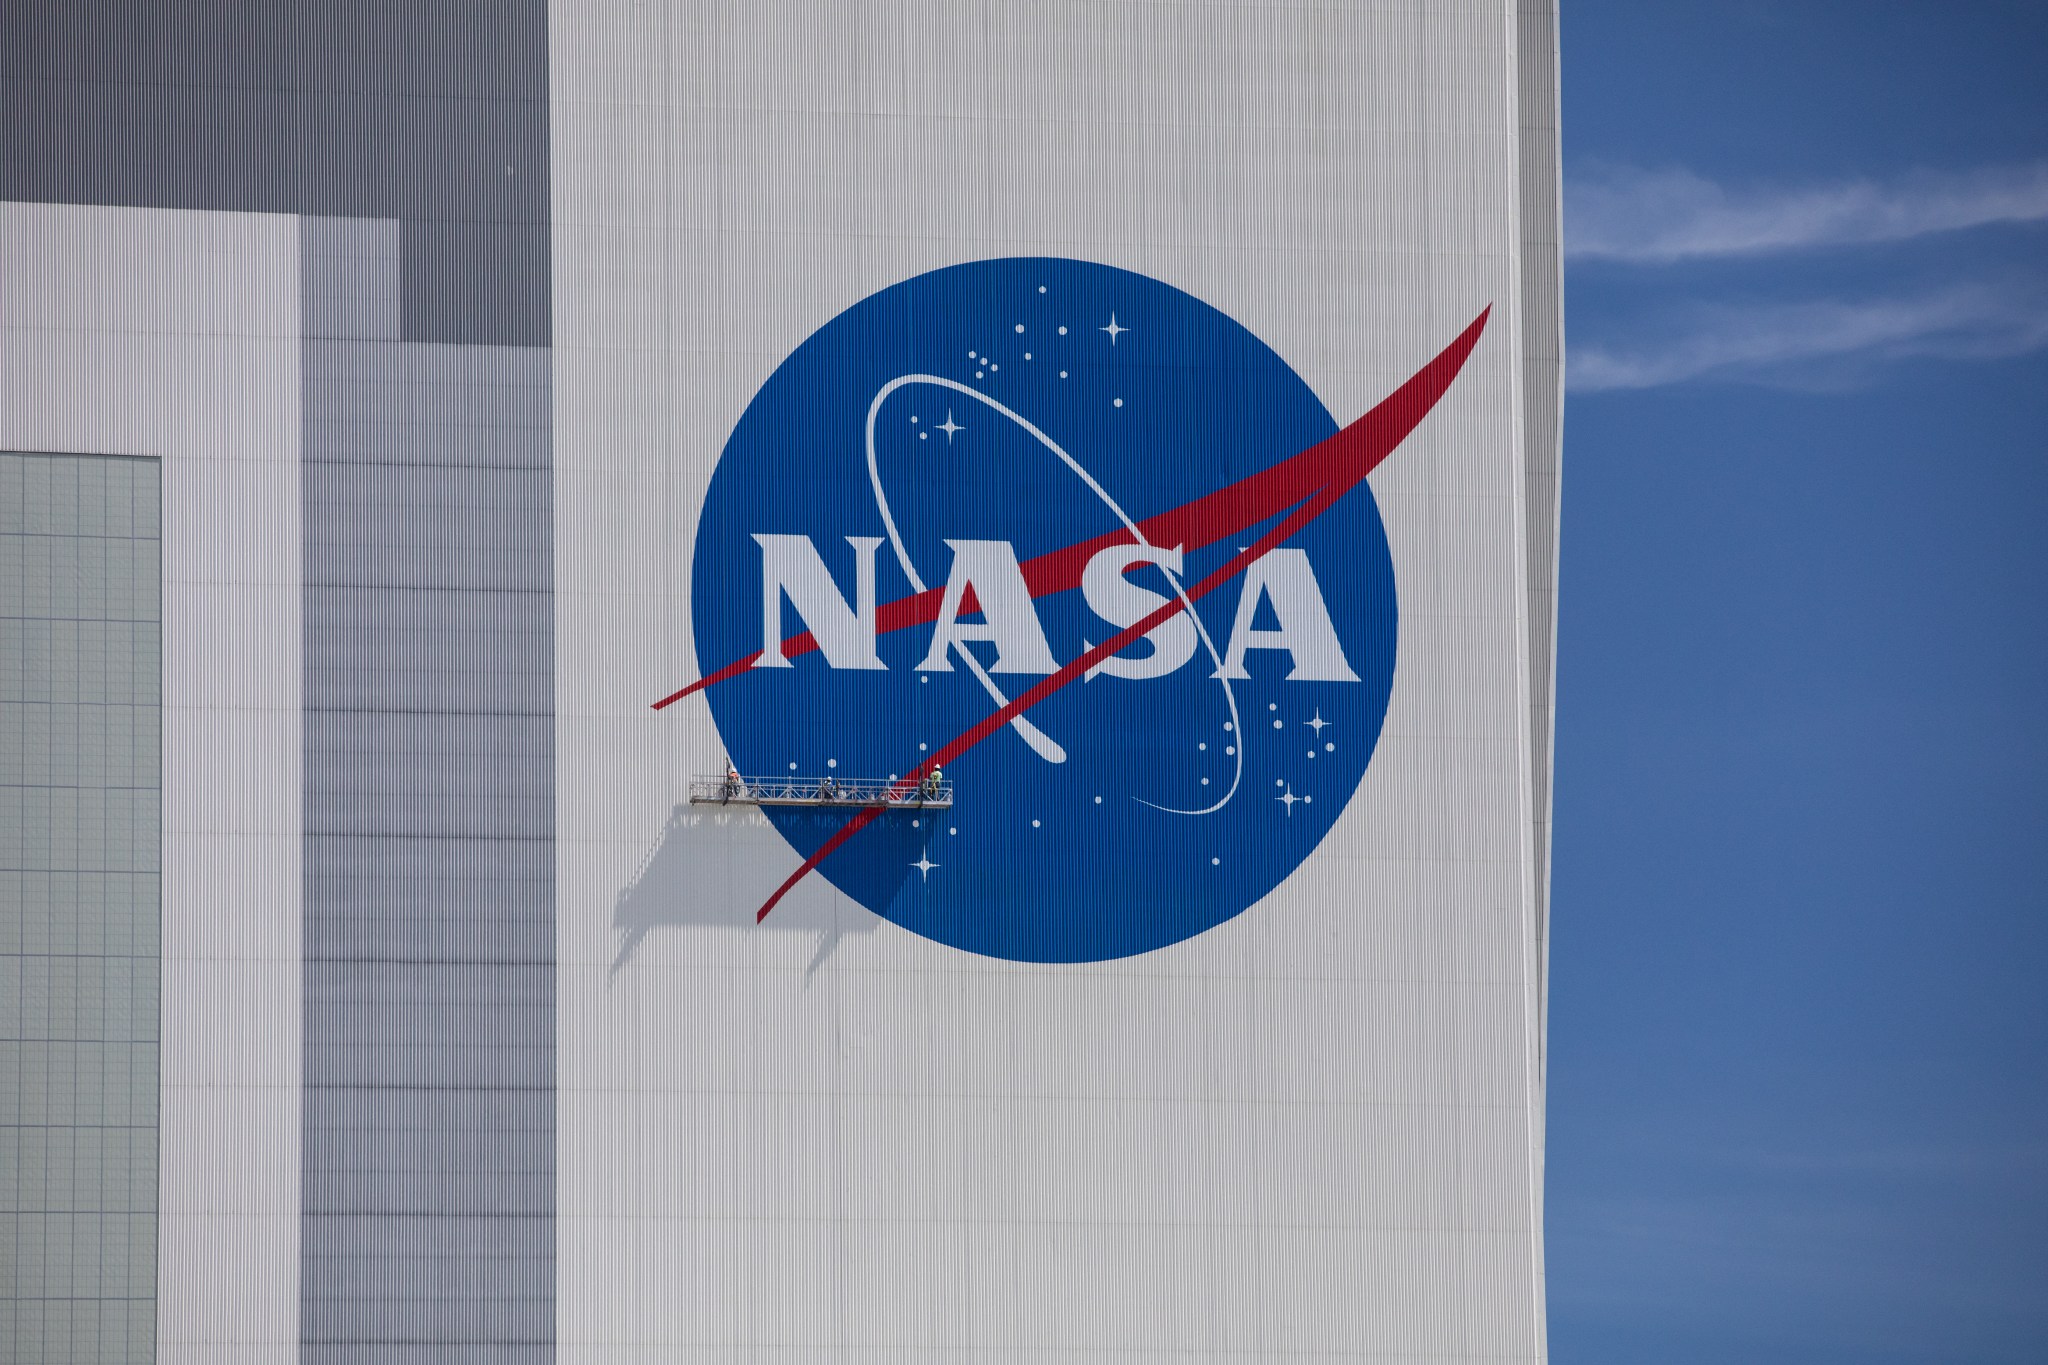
x: 1799, y: 1020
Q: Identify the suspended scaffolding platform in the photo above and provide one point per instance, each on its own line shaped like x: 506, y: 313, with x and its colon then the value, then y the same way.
x: 858, y: 793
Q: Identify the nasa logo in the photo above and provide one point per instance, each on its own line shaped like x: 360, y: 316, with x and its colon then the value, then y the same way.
x: 1089, y: 543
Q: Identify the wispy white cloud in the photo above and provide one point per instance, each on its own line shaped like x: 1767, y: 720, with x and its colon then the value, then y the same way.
x: 1674, y: 215
x: 1830, y: 343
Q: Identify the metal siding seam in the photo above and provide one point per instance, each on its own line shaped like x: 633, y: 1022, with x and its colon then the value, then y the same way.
x: 1543, y: 397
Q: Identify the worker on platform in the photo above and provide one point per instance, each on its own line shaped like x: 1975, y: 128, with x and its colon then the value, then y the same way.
x: 828, y: 788
x: 934, y: 783
x: 733, y: 790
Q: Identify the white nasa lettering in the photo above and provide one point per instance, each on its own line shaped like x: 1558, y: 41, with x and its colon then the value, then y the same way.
x: 792, y: 568
x: 990, y: 568
x: 790, y: 565
x: 1306, y: 632
x: 1123, y: 603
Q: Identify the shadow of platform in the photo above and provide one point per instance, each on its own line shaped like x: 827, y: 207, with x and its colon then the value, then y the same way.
x: 713, y: 867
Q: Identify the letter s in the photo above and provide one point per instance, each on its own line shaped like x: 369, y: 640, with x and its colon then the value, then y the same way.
x: 1123, y: 603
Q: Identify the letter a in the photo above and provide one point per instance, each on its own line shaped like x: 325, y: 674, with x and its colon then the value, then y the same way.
x: 790, y: 565
x: 990, y: 568
x: 1306, y: 632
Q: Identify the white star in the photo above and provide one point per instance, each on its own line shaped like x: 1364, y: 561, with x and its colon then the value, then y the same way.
x: 1317, y: 724
x: 925, y: 865
x: 949, y: 426
x: 1288, y: 800
x: 1113, y: 330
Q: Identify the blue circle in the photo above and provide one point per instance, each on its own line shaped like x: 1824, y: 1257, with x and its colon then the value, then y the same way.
x: 1157, y: 398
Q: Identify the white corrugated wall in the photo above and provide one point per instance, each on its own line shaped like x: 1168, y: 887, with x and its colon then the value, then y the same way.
x: 1313, y: 1132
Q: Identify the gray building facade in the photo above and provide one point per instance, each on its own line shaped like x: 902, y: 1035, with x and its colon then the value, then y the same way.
x: 374, y: 990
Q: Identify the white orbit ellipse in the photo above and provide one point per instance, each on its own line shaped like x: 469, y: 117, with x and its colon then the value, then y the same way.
x: 1039, y: 742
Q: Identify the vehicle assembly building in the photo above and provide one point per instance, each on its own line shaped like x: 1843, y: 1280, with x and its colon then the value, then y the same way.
x: 786, y: 680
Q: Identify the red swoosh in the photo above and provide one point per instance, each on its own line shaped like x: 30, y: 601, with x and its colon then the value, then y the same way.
x: 1322, y: 474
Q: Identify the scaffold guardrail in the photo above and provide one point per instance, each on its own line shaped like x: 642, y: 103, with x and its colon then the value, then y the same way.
x: 820, y: 791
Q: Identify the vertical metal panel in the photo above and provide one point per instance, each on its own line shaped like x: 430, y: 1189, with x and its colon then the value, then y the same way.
x: 174, y: 335
x: 428, y: 1183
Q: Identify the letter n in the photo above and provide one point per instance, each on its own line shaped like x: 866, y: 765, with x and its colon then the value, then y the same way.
x: 792, y: 568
